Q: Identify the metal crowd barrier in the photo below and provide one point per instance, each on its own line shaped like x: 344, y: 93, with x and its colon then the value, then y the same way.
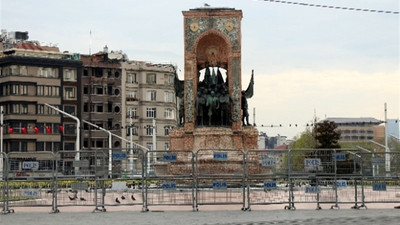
x: 169, y: 178
x: 382, y: 179
x: 127, y: 185
x: 135, y: 177
x: 28, y: 180
x: 267, y: 177
x: 220, y: 177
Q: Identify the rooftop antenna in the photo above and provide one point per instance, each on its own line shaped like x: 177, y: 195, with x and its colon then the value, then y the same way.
x: 90, y: 43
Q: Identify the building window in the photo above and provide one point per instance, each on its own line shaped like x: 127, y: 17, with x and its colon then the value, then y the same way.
x: 128, y: 130
x: 86, y: 107
x: 169, y: 114
x: 24, y: 109
x: 99, y: 90
x: 151, y: 112
x: 48, y: 146
x: 39, y: 146
x: 131, y: 112
x: 24, y: 89
x: 69, y: 109
x: 40, y: 109
x: 151, y: 95
x: 23, y: 70
x: 69, y: 146
x: 14, y: 89
x: 57, y: 146
x: 149, y: 130
x: 131, y: 78
x: 166, y: 146
x: 69, y: 75
x: 69, y: 93
x: 69, y: 129
x: 40, y: 90
x: 99, y: 108
x: 166, y: 130
x: 15, y: 108
x: 14, y: 146
x: 168, y: 79
x: 131, y: 95
x: 24, y: 146
x: 168, y: 96
x: 151, y: 78
x: 86, y: 90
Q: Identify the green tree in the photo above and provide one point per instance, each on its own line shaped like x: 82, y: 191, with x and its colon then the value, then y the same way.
x: 306, y: 140
x: 326, y: 134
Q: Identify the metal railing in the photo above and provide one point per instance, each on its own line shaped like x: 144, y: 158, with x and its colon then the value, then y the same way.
x: 206, y: 177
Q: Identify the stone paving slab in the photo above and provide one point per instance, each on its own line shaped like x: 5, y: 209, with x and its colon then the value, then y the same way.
x: 207, y: 215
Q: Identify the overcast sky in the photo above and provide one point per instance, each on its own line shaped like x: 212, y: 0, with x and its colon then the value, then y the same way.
x: 334, y: 62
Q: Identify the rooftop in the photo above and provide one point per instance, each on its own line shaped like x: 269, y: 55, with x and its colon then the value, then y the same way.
x: 349, y: 120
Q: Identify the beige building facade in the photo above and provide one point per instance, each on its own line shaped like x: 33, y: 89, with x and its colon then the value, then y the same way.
x: 148, y: 99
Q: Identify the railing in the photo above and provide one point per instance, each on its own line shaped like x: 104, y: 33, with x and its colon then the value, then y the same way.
x: 206, y: 177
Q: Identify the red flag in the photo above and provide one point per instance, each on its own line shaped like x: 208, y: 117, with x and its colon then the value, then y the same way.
x: 48, y: 129
x: 61, y: 127
x: 23, y: 130
x: 10, y: 130
x: 36, y: 129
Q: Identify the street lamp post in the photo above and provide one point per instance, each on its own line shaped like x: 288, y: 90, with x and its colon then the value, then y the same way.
x: 78, y: 125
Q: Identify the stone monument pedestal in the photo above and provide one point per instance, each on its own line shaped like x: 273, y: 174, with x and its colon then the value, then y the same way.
x: 213, y: 138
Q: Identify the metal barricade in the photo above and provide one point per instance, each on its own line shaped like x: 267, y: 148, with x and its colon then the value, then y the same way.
x: 80, y: 178
x: 29, y: 179
x: 4, y: 184
x: 349, y: 177
x: 382, y: 177
x: 312, y: 176
x: 220, y: 177
x: 267, y: 177
x: 126, y: 186
x: 169, y: 178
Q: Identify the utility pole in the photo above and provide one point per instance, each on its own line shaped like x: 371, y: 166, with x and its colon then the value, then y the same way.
x: 387, y: 151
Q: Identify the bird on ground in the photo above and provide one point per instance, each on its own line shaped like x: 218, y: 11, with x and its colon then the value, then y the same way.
x: 133, y: 198
x: 82, y: 199
x: 117, y: 200
x: 123, y: 197
x: 71, y: 198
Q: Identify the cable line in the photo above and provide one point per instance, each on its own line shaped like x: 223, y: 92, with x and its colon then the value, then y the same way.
x: 333, y: 7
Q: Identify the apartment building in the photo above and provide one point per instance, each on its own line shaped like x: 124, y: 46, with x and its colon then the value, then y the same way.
x: 149, y: 99
x: 30, y: 76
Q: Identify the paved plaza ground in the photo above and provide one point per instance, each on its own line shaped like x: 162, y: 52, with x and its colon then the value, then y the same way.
x: 209, y: 215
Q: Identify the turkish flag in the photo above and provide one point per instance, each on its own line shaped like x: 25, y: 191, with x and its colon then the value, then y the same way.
x: 61, y: 127
x: 48, y: 129
x: 24, y: 130
x: 36, y: 129
x: 10, y: 130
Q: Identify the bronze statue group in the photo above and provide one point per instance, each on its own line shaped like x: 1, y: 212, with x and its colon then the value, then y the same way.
x: 213, y: 102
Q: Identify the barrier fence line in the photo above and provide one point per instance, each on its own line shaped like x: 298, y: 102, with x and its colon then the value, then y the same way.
x: 206, y: 177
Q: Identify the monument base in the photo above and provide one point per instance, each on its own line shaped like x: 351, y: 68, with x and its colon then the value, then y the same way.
x: 213, y: 138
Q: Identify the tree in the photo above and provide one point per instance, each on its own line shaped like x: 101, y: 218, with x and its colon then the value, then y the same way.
x: 326, y: 134
x: 306, y: 140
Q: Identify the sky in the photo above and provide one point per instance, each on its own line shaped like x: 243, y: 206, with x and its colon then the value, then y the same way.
x: 307, y: 61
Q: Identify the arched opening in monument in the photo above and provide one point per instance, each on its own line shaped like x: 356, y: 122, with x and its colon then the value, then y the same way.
x: 213, y: 102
